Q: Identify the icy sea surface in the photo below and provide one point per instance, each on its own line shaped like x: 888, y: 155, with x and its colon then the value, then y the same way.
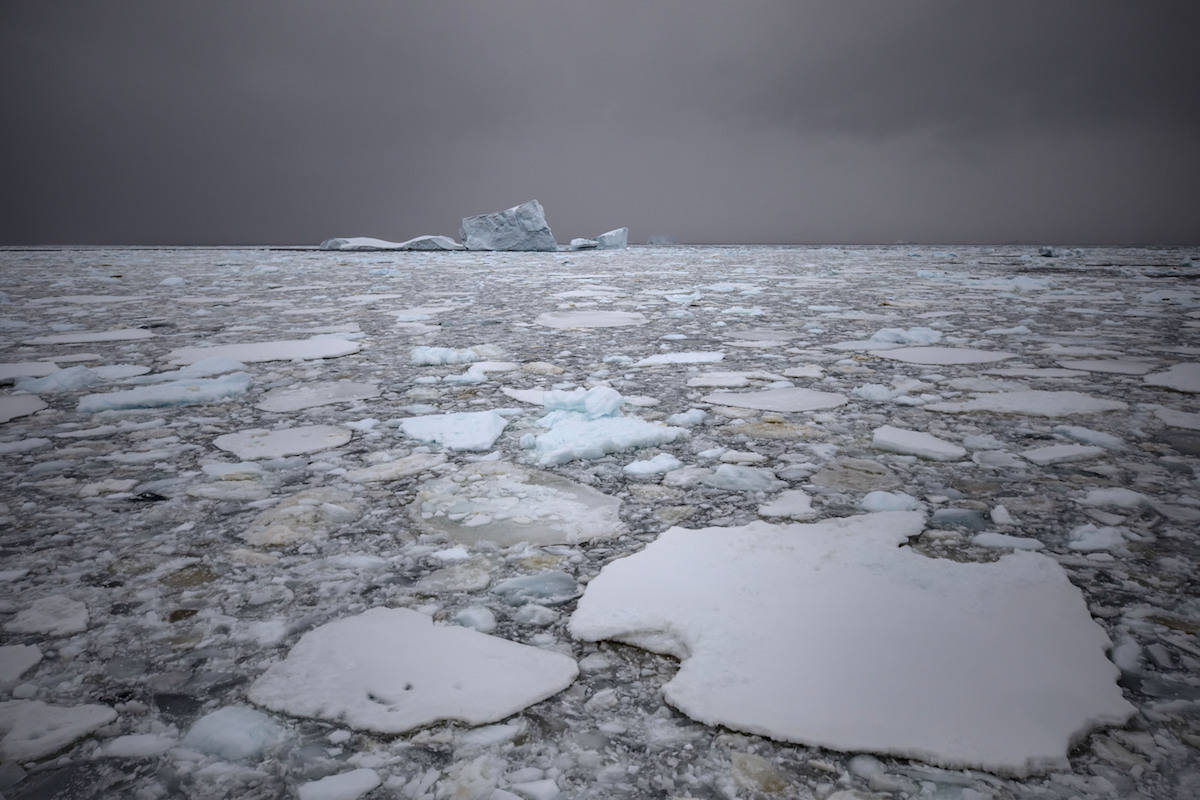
x: 324, y: 525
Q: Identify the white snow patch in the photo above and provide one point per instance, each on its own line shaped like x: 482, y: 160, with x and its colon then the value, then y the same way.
x: 234, y: 733
x: 342, y: 786
x: 390, y: 670
x: 1025, y: 677
x: 54, y: 615
x: 1061, y: 453
x: 663, y: 462
x: 1003, y: 541
x: 790, y: 503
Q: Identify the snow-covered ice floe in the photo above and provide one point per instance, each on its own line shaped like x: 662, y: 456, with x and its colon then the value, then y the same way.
x: 589, y: 424
x: 1032, y: 403
x: 259, y: 443
x: 506, y: 504
x: 282, y: 350
x: 390, y: 670
x: 779, y: 399
x: 806, y: 632
x: 590, y: 319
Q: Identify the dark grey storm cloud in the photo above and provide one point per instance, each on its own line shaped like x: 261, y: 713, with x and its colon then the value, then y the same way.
x: 282, y: 121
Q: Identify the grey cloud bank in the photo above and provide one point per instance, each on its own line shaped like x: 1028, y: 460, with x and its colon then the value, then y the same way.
x: 273, y: 122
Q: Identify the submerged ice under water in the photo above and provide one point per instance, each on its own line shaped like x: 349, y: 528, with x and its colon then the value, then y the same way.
x: 263, y: 536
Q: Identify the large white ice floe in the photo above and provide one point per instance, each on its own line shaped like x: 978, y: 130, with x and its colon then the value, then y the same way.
x: 322, y: 346
x: 390, y: 670
x: 945, y: 355
x: 26, y: 369
x: 172, y: 393
x: 786, y: 400
x: 522, y: 227
x: 459, y: 430
x: 589, y: 424
x: 1180, y: 377
x: 1034, y: 403
x: 32, y: 729
x: 316, y: 394
x: 256, y: 443
x: 433, y: 356
x: 53, y: 615
x: 916, y: 443
x: 1178, y: 419
x: 590, y: 319
x: 19, y: 405
x: 504, y: 503
x: 692, y: 357
x: 831, y: 634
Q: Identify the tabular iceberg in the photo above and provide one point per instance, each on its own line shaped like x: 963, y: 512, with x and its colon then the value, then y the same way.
x: 522, y: 227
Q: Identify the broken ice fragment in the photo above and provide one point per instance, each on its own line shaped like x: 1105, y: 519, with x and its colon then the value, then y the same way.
x: 322, y: 346
x: 33, y: 729
x: 552, y: 587
x: 945, y: 355
x: 916, y: 443
x: 460, y: 430
x: 234, y: 733
x: 785, y: 400
x: 316, y: 394
x: 1180, y: 377
x: 1031, y: 403
x: 256, y: 443
x: 590, y: 319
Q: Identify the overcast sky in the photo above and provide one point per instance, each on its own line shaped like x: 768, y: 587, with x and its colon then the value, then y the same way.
x: 286, y: 121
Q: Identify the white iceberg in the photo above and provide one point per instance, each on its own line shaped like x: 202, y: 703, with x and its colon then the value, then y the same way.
x: 521, y: 227
x: 830, y: 634
x: 366, y: 243
x: 617, y: 239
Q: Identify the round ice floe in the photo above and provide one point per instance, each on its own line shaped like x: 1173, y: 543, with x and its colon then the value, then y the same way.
x: 316, y: 394
x: 1032, y: 403
x: 1181, y: 378
x: 391, y: 670
x: 791, y: 399
x: 19, y: 405
x: 996, y: 666
x: 506, y: 504
x: 945, y: 355
x: 257, y: 443
x: 590, y: 319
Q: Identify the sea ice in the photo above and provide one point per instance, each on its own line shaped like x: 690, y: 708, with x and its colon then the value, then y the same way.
x: 459, y: 430
x: 552, y: 587
x: 888, y: 501
x: 53, y: 615
x: 204, y: 368
x: 504, y: 503
x: 394, y: 470
x: 697, y: 357
x: 916, y: 443
x: 234, y: 733
x: 663, y: 462
x: 907, y: 336
x: 1115, y: 496
x: 1115, y: 366
x: 1003, y: 541
x: 71, y: 379
x: 136, y: 745
x: 1089, y: 436
x: 995, y: 666
x: 16, y: 660
x: 342, y: 786
x: 304, y: 516
x: 785, y: 400
x: 33, y: 730
x: 1061, y: 453
x: 1032, y: 403
x: 733, y: 477
x: 522, y: 227
x: 390, y: 670
x: 316, y: 394
x: 1089, y: 537
x: 1178, y: 419
x: 790, y: 503
x: 1180, y: 377
x: 945, y: 355
x: 322, y: 346
x: 84, y: 337
x: 26, y: 369
x: 172, y: 393
x: 258, y: 443
x: 590, y: 319
x: 434, y: 356
x: 583, y: 244
x: 19, y: 405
